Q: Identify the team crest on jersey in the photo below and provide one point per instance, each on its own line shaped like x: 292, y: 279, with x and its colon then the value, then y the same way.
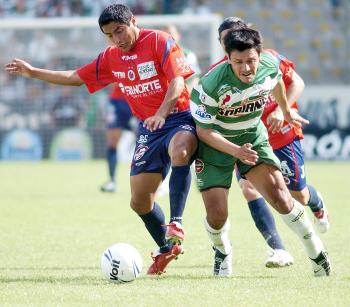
x: 226, y: 99
x: 140, y: 151
x: 199, y: 166
x: 131, y: 75
x: 146, y: 70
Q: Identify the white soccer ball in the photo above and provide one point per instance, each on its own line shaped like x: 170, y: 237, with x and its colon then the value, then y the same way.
x: 121, y: 263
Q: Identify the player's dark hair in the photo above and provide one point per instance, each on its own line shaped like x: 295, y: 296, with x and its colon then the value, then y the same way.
x: 115, y: 13
x: 243, y: 39
x: 234, y: 23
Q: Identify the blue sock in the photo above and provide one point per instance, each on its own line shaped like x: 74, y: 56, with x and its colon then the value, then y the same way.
x: 265, y: 223
x: 315, y: 203
x: 153, y: 222
x: 179, y: 186
x: 112, y: 160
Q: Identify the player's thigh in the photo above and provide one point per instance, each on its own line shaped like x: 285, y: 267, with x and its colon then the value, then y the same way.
x: 143, y: 189
x: 182, y: 146
x: 268, y: 180
x: 113, y: 136
x: 216, y: 206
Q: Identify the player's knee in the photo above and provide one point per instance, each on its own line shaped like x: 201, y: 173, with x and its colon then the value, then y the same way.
x: 216, y: 221
x: 217, y: 218
x: 180, y: 155
x: 139, y: 206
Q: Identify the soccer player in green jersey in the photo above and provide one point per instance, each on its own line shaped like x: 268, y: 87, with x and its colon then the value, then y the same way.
x: 227, y: 105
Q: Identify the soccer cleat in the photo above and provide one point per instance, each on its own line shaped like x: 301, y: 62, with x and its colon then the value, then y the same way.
x: 222, y: 263
x: 175, y: 233
x: 161, y: 260
x: 279, y: 258
x: 109, y: 186
x: 321, y: 217
x: 321, y: 265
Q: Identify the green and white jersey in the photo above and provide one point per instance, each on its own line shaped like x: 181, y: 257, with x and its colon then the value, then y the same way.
x: 226, y: 104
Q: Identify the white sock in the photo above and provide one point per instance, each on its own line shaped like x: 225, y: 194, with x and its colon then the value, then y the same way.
x: 220, y: 237
x: 300, y: 223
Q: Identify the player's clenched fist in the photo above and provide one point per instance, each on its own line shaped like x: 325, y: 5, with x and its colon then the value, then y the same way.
x: 19, y: 67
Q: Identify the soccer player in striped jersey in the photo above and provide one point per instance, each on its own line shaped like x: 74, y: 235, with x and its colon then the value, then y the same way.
x: 150, y: 69
x: 285, y: 141
x: 227, y: 105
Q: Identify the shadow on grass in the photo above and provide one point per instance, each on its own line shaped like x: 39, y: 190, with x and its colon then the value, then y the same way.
x: 81, y: 280
x: 48, y: 268
x: 97, y: 281
x: 211, y: 277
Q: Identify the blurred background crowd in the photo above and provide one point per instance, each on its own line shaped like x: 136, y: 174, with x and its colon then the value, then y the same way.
x: 315, y: 34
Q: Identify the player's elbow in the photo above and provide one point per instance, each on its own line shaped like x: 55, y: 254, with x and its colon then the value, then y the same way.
x: 74, y: 79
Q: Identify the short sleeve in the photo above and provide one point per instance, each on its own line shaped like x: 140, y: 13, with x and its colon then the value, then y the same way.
x: 97, y: 74
x: 171, y: 57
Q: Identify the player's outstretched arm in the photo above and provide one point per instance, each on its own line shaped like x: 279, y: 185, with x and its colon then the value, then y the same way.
x: 290, y: 115
x: 22, y: 68
x: 245, y: 153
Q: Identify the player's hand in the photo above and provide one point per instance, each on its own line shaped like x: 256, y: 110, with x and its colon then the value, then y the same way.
x: 247, y: 155
x: 275, y: 121
x: 295, y: 119
x: 154, y: 122
x: 19, y: 67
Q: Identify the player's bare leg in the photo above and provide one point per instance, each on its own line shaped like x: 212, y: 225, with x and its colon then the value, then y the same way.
x: 217, y: 225
x: 268, y: 180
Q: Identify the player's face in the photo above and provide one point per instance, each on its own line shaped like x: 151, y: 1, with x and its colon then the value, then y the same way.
x: 121, y: 35
x: 245, y: 64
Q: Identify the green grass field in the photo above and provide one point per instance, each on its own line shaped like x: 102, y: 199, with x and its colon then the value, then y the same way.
x: 55, y: 223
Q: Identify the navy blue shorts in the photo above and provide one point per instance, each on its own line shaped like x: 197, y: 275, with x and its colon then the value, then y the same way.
x: 119, y: 115
x: 151, y: 151
x: 292, y: 165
